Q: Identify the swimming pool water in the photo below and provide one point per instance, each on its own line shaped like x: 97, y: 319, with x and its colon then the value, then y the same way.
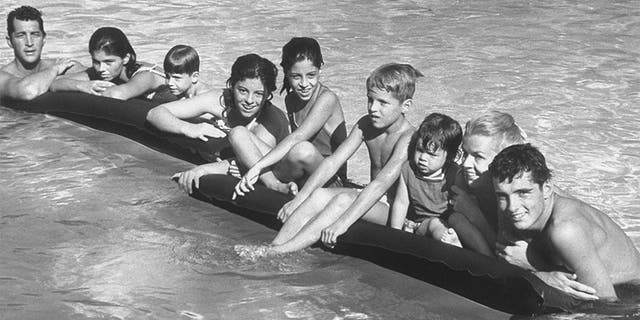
x: 91, y: 227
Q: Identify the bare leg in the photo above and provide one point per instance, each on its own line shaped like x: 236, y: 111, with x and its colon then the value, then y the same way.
x: 469, y: 234
x: 301, y: 161
x: 310, y: 232
x: 248, y: 149
x: 304, y: 213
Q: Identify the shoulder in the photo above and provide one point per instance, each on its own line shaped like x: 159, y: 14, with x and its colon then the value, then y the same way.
x: 327, y: 96
x: 565, y: 223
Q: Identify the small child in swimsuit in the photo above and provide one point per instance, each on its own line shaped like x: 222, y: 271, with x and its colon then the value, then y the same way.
x: 182, y: 72
x: 422, y: 202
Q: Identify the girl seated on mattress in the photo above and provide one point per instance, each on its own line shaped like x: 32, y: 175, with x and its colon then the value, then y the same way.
x: 245, y: 105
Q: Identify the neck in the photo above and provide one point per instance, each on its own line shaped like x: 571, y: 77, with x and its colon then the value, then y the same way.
x: 542, y: 221
x: 396, y: 126
x: 190, y: 92
x: 28, y: 68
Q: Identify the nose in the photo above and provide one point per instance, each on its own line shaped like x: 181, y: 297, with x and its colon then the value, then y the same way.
x: 103, y: 66
x: 170, y: 81
x: 251, y: 98
x: 513, y: 204
x: 468, y: 162
x: 29, y: 42
x: 373, y: 107
x: 304, y: 82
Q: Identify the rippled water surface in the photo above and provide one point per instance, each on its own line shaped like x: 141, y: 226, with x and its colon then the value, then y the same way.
x: 91, y: 227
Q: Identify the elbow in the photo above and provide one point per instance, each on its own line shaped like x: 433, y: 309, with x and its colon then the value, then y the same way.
x: 153, y: 115
x: 115, y: 95
x: 30, y: 92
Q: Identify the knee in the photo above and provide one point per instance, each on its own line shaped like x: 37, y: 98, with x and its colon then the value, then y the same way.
x: 238, y: 135
x: 342, y: 199
x: 302, y: 152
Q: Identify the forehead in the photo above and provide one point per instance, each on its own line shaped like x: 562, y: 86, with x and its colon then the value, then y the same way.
x: 101, y: 55
x: 252, y: 84
x: 303, y: 66
x: 478, y: 144
x: 381, y: 94
x: 520, y: 181
x: 25, y: 26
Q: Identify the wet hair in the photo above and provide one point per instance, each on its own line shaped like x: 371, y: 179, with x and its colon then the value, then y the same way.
x: 437, y: 131
x: 499, y: 125
x: 515, y: 160
x: 113, y: 42
x: 296, y: 50
x: 395, y: 78
x: 182, y: 59
x: 24, y: 13
x: 253, y: 66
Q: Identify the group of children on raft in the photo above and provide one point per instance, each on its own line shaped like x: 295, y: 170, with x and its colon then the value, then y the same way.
x: 483, y: 188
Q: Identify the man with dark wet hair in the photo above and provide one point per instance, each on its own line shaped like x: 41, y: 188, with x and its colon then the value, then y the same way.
x: 567, y: 235
x: 28, y: 76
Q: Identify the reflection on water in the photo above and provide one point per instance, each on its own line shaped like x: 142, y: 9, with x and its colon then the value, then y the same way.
x: 92, y: 227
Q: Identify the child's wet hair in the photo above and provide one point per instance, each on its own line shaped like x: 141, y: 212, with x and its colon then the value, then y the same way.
x: 24, y: 13
x: 395, y: 78
x: 112, y: 41
x: 437, y: 131
x: 253, y: 66
x: 296, y: 50
x: 182, y: 59
x: 499, y: 125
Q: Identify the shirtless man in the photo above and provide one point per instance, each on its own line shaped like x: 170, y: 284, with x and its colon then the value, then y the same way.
x: 565, y: 233
x: 29, y: 76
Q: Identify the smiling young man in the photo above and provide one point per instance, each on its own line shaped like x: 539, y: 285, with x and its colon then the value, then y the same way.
x: 28, y: 76
x: 568, y: 234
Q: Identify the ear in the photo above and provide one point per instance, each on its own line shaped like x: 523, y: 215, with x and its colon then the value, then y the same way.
x: 195, y: 76
x: 126, y: 59
x: 406, y: 104
x: 547, y: 189
x: 9, y: 42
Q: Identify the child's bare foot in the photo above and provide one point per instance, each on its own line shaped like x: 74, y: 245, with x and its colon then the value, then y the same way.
x: 451, y: 237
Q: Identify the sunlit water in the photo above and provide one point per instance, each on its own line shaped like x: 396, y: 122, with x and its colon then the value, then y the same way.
x: 91, y: 227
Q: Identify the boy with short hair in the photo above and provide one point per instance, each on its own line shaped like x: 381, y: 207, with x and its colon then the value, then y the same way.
x: 182, y: 70
x: 318, y: 212
x: 568, y: 234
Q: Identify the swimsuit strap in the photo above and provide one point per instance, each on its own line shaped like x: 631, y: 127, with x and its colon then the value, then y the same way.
x: 155, y: 69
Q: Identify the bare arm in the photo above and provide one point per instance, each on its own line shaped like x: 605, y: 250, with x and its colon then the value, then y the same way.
x: 33, y: 85
x: 327, y: 169
x: 140, y: 84
x: 374, y: 190
x: 78, y: 80
x: 578, y: 252
x: 168, y: 117
x: 400, y: 205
